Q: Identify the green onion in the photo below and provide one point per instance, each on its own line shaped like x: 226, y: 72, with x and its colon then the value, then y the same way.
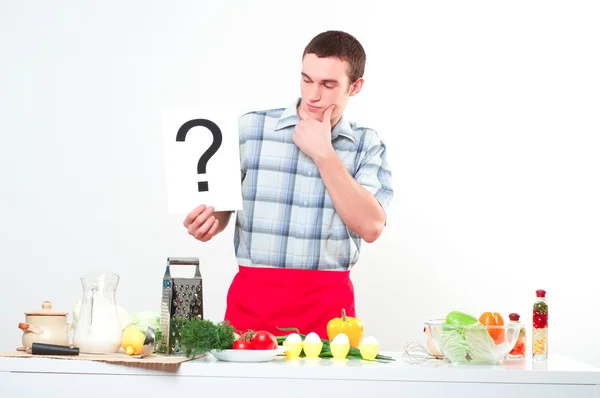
x: 354, y: 353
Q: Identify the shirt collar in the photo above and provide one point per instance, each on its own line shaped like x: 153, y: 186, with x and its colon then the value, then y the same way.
x: 290, y: 117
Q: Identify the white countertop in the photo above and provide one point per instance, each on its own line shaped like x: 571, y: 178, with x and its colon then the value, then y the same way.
x: 556, y: 370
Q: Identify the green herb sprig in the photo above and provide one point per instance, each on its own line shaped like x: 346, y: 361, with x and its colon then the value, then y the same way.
x: 198, y: 336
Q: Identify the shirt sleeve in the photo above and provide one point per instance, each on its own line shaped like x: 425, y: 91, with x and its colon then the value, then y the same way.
x: 374, y: 172
x: 243, y: 138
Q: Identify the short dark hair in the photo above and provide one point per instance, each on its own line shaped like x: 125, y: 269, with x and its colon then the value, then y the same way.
x: 335, y: 43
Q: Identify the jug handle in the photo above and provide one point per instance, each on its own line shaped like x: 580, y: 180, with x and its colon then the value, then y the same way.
x: 26, y: 327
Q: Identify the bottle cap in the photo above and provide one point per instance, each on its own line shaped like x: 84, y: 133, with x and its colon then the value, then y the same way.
x: 514, y: 317
x: 540, y: 293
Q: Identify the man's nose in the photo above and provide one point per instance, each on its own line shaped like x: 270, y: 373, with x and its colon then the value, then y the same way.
x: 315, y: 93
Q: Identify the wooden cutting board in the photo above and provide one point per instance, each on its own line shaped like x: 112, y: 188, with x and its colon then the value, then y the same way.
x: 117, y: 358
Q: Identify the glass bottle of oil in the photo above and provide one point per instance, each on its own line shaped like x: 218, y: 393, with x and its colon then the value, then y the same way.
x: 540, y: 327
x: 519, y: 349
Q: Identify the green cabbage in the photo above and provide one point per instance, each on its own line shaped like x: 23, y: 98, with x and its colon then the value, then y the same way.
x: 471, y: 345
x: 144, y: 319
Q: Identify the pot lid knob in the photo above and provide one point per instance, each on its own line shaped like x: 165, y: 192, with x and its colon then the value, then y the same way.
x: 46, y: 310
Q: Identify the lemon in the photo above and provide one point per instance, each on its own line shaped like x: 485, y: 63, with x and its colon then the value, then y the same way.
x: 132, y: 340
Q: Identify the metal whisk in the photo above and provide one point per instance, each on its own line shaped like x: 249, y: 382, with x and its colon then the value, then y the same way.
x: 416, y: 353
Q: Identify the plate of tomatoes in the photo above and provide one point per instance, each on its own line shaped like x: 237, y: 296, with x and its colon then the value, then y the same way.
x: 260, y: 346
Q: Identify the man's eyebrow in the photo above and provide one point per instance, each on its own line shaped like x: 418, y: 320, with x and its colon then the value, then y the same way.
x: 322, y: 81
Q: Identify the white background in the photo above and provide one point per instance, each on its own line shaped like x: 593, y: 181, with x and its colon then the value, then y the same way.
x: 490, y: 111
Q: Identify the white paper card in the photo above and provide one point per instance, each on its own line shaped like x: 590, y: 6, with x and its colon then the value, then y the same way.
x: 201, y: 159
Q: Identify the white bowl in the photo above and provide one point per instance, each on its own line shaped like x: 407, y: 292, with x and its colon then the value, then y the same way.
x: 248, y: 355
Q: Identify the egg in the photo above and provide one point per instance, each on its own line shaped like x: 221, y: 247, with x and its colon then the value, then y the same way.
x: 312, y: 337
x: 340, y: 346
x: 341, y: 338
x: 312, y: 345
x: 369, y: 348
x: 293, y: 342
x: 370, y: 340
x: 293, y: 338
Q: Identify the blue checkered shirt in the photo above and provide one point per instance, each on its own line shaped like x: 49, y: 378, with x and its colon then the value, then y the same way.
x: 288, y: 219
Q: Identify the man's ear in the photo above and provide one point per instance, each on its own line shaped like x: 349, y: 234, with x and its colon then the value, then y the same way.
x: 356, y: 86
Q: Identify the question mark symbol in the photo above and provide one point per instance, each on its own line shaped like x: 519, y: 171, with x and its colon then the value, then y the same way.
x: 212, y: 149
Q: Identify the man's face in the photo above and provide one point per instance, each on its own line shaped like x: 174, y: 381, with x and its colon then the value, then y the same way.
x: 325, y: 82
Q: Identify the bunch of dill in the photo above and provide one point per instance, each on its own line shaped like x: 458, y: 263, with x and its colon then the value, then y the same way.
x: 198, y: 336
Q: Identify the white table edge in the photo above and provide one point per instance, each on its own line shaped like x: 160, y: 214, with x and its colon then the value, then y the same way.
x: 580, y: 374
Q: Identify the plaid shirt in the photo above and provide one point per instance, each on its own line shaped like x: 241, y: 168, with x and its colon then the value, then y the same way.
x: 288, y: 219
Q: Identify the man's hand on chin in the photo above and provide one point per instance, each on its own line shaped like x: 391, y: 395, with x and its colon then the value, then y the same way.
x: 312, y: 136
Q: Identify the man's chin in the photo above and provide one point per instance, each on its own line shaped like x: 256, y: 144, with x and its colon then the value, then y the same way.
x: 317, y: 114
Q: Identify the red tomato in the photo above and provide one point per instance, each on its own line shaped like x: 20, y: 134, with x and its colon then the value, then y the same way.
x: 242, y: 345
x: 263, y: 340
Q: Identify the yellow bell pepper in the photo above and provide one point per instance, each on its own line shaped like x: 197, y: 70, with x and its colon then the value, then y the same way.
x: 352, y: 327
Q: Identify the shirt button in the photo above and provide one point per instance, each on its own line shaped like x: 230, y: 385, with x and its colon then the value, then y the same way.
x: 305, y: 202
x: 309, y: 173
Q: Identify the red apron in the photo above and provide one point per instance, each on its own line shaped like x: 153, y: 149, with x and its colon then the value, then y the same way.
x: 268, y: 298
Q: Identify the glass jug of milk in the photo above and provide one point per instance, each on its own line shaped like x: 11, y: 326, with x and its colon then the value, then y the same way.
x: 98, y: 329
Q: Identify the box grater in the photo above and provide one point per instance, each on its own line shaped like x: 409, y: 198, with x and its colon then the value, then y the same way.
x: 181, y: 297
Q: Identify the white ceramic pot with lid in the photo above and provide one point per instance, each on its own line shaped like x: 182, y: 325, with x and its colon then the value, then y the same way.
x: 45, y: 326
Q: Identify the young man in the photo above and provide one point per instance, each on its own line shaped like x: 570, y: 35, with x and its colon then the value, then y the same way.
x: 314, y: 186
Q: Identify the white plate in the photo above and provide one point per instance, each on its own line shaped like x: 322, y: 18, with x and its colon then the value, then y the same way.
x: 248, y: 355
